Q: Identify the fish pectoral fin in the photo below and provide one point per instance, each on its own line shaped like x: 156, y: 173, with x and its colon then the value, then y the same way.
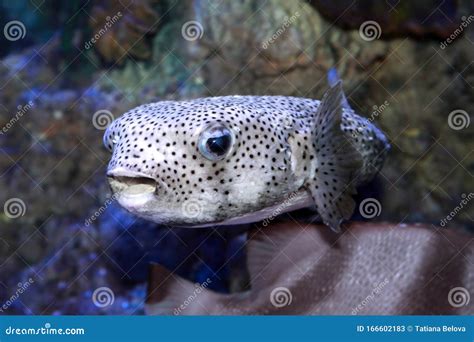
x: 332, y: 182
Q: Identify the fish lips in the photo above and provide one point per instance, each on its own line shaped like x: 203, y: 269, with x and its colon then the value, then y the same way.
x: 131, y: 189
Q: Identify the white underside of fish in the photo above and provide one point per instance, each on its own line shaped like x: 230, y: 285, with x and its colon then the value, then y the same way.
x: 301, y: 199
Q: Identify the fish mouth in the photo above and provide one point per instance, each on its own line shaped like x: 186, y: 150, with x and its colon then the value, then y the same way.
x: 131, y: 184
x: 132, y: 181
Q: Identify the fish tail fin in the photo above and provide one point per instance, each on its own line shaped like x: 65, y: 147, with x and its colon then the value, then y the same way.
x: 332, y: 177
x: 371, y: 143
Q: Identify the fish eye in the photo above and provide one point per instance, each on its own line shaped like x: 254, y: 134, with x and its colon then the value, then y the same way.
x: 109, y: 141
x: 215, y: 142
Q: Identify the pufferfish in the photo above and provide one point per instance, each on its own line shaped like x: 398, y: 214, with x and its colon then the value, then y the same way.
x: 240, y: 159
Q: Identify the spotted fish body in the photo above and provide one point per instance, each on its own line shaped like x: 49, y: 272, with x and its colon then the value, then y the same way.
x: 237, y: 159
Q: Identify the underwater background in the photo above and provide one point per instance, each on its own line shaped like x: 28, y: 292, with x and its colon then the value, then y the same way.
x: 67, y: 68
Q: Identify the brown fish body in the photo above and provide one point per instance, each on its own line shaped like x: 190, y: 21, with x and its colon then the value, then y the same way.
x: 371, y: 269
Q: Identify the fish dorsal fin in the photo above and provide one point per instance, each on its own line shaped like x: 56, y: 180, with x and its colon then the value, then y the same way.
x: 331, y: 181
x: 333, y: 79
